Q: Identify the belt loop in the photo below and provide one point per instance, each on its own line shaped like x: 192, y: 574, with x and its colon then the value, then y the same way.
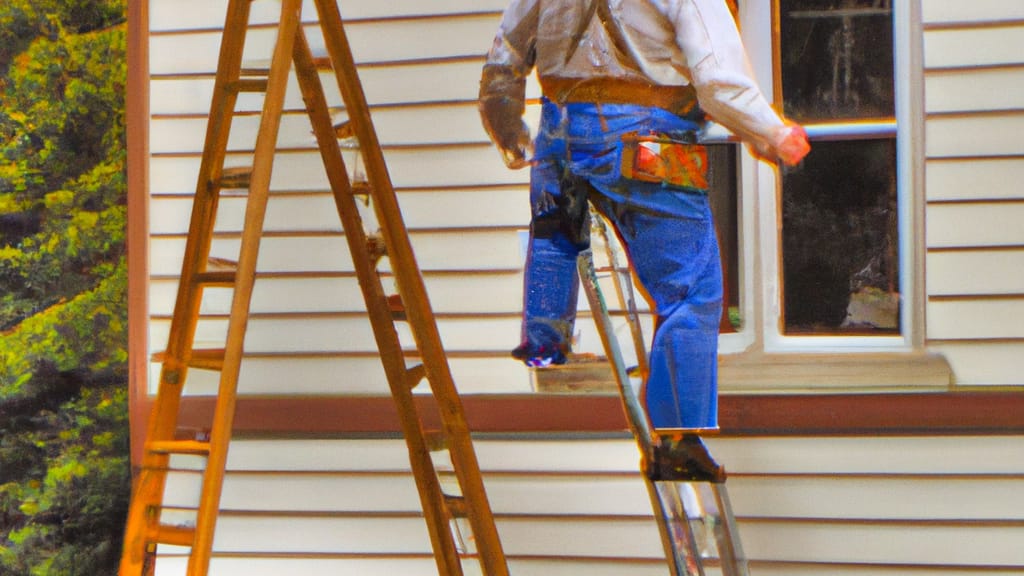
x: 600, y: 115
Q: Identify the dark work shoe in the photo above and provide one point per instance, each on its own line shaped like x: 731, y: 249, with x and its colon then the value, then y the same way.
x: 683, y: 459
x: 538, y: 356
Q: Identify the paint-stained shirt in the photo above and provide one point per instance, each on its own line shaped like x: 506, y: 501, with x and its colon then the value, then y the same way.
x: 657, y: 42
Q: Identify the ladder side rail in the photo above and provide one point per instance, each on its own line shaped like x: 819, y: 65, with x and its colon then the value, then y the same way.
x: 623, y: 282
x: 148, y: 487
x: 730, y: 547
x: 635, y: 414
x: 636, y: 417
x: 678, y: 538
x: 387, y: 339
x: 406, y: 271
x: 204, y: 211
x: 252, y: 231
x: 413, y: 293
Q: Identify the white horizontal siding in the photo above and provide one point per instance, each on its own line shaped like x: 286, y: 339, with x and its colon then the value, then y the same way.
x: 809, y: 505
x: 976, y: 135
x: 303, y: 170
x: 498, y: 292
x: 983, y: 363
x: 359, y: 376
x: 411, y: 83
x: 422, y: 39
x: 976, y: 319
x: 408, y: 567
x: 524, y: 567
x: 329, y: 333
x: 878, y: 506
x: 938, y: 12
x: 975, y: 225
x: 456, y: 123
x: 985, y: 89
x: 184, y: 15
x: 970, y: 47
x: 468, y: 250
x: 973, y: 68
x: 975, y: 179
x: 976, y: 272
x: 317, y: 212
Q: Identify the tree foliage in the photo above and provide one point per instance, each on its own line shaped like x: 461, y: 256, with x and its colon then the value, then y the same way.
x: 64, y: 469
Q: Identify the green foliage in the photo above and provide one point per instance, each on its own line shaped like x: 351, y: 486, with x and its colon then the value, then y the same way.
x: 64, y: 469
x: 22, y: 21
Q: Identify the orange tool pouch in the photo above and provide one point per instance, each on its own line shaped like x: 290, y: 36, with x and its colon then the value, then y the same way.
x: 658, y: 159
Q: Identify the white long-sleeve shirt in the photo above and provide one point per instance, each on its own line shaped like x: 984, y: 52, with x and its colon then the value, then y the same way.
x: 656, y: 42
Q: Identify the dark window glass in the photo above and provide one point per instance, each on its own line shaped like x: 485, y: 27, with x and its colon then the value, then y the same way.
x: 840, y: 261
x: 722, y: 180
x: 839, y: 240
x: 836, y: 59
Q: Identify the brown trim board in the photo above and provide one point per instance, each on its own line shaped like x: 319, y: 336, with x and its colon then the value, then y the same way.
x: 137, y: 130
x: 967, y: 413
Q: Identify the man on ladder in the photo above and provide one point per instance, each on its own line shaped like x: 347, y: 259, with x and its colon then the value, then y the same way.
x: 628, y: 88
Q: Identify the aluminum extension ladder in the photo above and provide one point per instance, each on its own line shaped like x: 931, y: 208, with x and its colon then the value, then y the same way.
x: 695, y: 519
x: 442, y: 512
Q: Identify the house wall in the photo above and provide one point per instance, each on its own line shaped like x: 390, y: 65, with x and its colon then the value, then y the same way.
x: 974, y: 160
x: 813, y: 504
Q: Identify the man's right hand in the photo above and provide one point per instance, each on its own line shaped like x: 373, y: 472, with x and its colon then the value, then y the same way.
x: 794, y: 146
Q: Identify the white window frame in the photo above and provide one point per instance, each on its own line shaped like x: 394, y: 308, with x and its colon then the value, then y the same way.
x: 759, y: 256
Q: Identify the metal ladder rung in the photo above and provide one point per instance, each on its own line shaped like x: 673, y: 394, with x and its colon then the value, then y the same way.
x: 193, y: 447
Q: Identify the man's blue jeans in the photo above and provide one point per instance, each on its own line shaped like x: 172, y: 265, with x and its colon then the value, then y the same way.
x: 669, y: 238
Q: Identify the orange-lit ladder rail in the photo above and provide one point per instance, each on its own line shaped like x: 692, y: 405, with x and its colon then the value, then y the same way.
x: 144, y: 530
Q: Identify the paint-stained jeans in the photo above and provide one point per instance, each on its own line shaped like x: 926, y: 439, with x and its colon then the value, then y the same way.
x: 669, y: 238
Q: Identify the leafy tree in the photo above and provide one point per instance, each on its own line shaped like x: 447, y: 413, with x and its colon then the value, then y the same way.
x: 64, y: 469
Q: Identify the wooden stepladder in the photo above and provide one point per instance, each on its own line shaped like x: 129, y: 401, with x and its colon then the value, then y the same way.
x: 443, y: 512
x: 694, y: 518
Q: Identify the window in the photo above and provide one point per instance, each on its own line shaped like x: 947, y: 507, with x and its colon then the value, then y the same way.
x: 823, y: 251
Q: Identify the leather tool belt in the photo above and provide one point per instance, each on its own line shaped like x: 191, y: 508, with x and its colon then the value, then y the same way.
x: 680, y: 100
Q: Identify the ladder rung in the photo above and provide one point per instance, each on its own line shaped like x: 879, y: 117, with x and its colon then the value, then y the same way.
x: 175, y: 535
x: 435, y: 440
x: 236, y: 178
x: 344, y: 130
x: 216, y: 278
x: 376, y: 247
x: 456, y: 506
x: 415, y: 375
x: 179, y: 447
x: 208, y: 359
x: 211, y: 359
x: 361, y: 188
x: 250, y: 84
x: 396, y: 307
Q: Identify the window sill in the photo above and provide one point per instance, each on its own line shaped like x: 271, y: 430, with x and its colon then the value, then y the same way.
x: 758, y: 372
